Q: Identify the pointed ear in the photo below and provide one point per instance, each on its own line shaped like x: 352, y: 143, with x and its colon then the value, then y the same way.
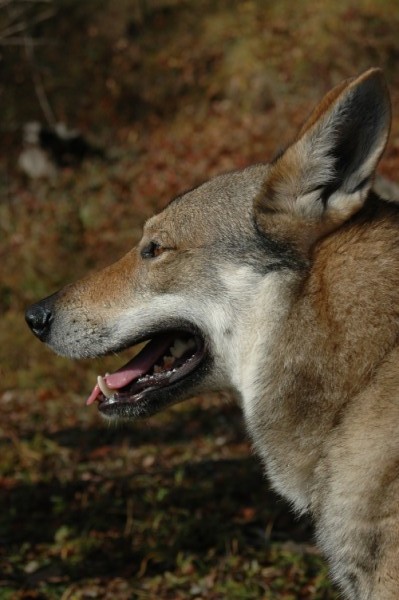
x: 324, y: 176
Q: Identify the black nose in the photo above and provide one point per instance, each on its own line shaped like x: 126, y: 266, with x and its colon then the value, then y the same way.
x: 39, y: 319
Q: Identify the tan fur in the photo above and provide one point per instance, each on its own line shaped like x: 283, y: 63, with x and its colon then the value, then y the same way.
x: 291, y: 273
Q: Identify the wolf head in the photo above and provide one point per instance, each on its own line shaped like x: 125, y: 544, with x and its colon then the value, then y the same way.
x: 216, y: 272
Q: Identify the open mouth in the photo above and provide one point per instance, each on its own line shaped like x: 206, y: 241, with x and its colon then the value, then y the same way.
x: 168, y: 360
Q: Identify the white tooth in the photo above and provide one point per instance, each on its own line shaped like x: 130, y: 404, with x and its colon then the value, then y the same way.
x: 178, y: 348
x: 108, y: 393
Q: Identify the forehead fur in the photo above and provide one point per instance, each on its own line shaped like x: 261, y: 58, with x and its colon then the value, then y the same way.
x: 221, y: 207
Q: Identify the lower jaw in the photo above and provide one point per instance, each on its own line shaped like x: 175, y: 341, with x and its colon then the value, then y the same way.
x: 154, y: 400
x: 141, y: 406
x: 128, y: 410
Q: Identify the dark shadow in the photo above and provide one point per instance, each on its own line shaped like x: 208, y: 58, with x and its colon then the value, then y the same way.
x: 147, y: 518
x: 184, y: 427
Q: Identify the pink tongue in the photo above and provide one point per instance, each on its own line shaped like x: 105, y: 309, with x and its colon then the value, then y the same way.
x: 138, y: 366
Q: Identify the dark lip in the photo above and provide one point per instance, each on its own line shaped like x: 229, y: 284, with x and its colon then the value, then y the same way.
x: 167, y: 391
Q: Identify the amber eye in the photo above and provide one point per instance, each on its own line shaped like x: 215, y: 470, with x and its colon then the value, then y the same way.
x: 152, y: 250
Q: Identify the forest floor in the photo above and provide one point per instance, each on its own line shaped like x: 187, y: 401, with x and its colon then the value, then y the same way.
x: 175, y: 91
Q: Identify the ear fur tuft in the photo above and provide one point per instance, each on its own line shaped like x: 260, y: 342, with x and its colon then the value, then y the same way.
x: 324, y: 176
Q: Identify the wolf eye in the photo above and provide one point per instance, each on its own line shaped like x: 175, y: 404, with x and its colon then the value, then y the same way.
x: 152, y: 250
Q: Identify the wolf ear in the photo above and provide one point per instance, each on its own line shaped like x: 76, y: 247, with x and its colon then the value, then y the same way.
x: 324, y: 176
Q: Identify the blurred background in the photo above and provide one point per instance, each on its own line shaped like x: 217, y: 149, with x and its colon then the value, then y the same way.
x: 108, y: 110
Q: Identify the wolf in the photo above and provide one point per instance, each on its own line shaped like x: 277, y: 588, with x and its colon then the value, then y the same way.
x: 279, y: 282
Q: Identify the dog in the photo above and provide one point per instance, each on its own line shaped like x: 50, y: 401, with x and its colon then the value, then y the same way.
x: 279, y: 282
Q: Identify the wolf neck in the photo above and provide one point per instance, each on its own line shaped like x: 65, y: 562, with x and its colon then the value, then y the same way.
x: 341, y: 325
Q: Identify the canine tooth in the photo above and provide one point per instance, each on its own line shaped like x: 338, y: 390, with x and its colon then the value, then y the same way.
x: 108, y: 393
x: 178, y: 348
